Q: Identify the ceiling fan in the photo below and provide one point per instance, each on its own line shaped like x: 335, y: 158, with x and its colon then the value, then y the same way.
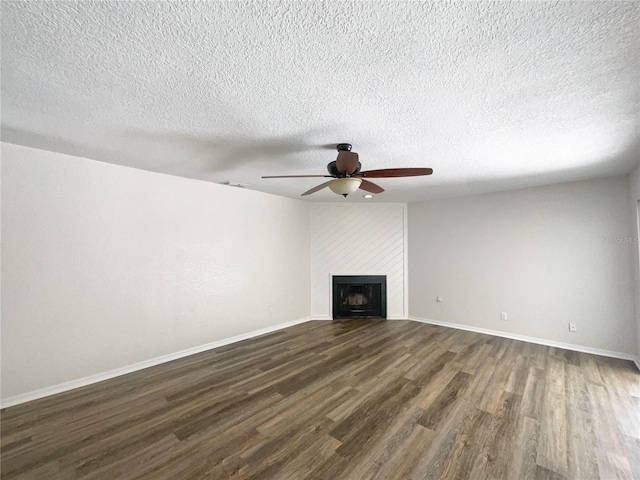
x: 347, y: 177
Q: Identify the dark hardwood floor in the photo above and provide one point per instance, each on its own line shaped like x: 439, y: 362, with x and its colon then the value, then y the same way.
x: 342, y: 400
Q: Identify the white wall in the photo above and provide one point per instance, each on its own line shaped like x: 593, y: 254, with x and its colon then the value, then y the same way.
x: 357, y: 239
x: 105, y: 266
x: 540, y: 254
x: 634, y: 183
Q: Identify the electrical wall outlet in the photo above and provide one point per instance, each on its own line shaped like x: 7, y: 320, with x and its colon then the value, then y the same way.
x: 503, y: 316
x: 573, y: 327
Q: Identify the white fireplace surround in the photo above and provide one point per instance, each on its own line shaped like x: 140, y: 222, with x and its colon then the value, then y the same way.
x: 358, y: 240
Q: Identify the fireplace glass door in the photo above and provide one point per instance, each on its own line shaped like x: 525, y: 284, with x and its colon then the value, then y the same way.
x: 359, y: 296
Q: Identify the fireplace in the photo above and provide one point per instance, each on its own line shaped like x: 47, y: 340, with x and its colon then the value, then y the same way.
x: 359, y: 296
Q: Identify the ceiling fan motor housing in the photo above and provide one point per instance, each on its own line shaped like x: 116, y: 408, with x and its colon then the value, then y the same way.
x: 333, y: 170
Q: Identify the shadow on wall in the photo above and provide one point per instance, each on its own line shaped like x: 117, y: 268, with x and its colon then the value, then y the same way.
x: 185, y: 155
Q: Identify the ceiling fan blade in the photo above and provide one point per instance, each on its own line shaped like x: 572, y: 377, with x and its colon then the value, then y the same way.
x: 347, y: 162
x: 395, y: 172
x: 297, y: 176
x: 315, y: 189
x: 371, y: 187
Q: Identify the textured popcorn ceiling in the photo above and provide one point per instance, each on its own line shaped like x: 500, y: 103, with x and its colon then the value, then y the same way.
x: 492, y: 96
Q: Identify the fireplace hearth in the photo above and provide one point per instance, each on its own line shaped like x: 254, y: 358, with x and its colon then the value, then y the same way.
x: 359, y: 296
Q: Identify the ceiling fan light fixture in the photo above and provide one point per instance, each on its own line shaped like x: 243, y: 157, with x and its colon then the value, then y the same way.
x: 345, y: 186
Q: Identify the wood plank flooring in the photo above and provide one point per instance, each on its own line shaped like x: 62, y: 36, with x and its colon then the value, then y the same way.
x: 354, y: 400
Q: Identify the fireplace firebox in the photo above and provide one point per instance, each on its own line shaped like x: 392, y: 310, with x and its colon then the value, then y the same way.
x: 358, y: 296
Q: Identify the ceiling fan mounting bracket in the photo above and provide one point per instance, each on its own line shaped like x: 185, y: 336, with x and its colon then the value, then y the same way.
x: 343, y: 147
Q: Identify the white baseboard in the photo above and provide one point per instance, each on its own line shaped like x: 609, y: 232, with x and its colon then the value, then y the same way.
x: 82, y: 382
x: 329, y: 317
x: 524, y: 338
